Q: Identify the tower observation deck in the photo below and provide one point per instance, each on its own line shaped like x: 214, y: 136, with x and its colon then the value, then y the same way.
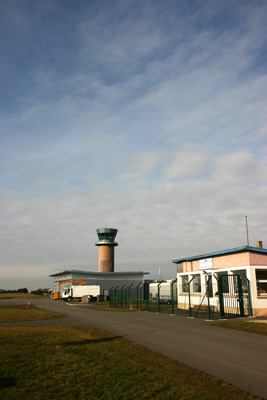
x: 106, y: 243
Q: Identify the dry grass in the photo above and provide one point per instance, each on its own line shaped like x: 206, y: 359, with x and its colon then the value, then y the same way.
x: 20, y: 296
x: 245, y: 326
x: 47, y: 363
x: 107, y: 308
x: 25, y: 313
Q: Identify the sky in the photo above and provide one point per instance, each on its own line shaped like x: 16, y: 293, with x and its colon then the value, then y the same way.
x: 145, y: 116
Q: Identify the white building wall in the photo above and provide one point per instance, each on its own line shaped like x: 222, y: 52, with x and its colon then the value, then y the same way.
x: 259, y: 304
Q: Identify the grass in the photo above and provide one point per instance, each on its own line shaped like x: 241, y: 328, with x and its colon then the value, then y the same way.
x: 47, y: 363
x: 107, y: 308
x: 20, y: 296
x: 252, y: 327
x: 100, y: 306
x: 25, y: 313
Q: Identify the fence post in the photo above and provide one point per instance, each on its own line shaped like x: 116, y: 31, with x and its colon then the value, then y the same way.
x: 208, y: 294
x: 126, y: 297
x: 240, y: 296
x: 220, y: 287
x: 116, y: 295
x: 249, y: 298
x: 173, y: 282
x: 129, y: 294
x: 159, y: 295
x: 189, y: 297
x: 110, y: 296
x: 147, y: 300
x: 137, y: 287
x: 141, y: 297
x: 121, y: 294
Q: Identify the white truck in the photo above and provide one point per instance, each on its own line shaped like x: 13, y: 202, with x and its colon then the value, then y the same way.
x: 77, y: 292
x: 165, y: 292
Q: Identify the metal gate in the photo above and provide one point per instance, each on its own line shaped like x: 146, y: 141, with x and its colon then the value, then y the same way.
x: 234, y: 296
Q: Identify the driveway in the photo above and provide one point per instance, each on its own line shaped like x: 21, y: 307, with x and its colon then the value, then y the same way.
x: 235, y: 357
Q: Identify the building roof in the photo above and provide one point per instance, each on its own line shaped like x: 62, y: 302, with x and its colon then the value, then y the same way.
x: 102, y: 274
x: 222, y: 252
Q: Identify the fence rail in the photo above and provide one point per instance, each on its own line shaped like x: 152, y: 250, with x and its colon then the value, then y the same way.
x: 139, y: 298
x: 231, y: 300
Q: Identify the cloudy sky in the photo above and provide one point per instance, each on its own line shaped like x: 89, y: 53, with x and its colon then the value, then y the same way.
x: 148, y: 116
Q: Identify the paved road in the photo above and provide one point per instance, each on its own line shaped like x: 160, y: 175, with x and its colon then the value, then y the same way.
x: 235, y: 357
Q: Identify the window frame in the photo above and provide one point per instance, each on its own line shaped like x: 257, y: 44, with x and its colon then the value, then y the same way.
x: 195, y: 283
x: 183, y: 278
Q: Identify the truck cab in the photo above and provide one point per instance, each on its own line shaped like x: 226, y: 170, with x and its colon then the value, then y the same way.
x: 67, y: 294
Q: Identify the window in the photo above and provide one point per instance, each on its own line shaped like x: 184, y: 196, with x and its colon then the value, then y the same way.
x: 197, y: 284
x: 243, y: 276
x: 209, y: 287
x: 185, y: 288
x: 223, y: 276
x: 261, y: 278
x: 106, y: 236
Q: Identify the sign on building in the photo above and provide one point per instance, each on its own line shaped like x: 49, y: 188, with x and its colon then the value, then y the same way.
x: 206, y: 263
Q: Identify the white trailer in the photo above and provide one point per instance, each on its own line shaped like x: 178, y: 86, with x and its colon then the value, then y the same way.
x: 165, y: 291
x: 77, y: 292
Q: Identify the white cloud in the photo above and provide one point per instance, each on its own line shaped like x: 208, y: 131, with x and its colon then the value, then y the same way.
x: 152, y: 119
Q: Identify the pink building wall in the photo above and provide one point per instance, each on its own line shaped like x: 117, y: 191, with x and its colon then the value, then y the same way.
x: 258, y: 259
x: 228, y: 261
x: 231, y: 260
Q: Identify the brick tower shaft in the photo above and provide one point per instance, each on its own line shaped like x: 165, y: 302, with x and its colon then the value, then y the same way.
x: 106, y: 259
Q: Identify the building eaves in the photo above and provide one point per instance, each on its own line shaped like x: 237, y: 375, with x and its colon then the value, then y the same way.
x: 101, y: 274
x: 222, y: 252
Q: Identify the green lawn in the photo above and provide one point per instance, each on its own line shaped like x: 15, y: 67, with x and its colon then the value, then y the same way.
x: 47, y: 363
x: 20, y: 296
x: 252, y: 327
x: 25, y: 313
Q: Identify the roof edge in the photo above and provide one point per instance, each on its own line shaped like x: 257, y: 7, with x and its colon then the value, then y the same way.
x: 100, y: 273
x: 221, y: 252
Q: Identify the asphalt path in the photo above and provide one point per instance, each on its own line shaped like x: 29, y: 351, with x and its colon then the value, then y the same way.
x: 235, y: 357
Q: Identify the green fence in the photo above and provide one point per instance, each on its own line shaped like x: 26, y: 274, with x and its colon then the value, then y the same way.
x: 226, y: 296
x: 139, y: 298
x: 234, y: 296
x: 231, y: 299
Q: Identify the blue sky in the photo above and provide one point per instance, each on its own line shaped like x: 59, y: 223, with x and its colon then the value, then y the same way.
x: 149, y: 116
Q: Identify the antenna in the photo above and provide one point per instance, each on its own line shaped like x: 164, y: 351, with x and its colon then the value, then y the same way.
x: 247, y: 229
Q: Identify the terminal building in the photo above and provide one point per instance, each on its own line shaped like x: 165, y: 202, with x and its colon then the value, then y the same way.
x: 106, y: 278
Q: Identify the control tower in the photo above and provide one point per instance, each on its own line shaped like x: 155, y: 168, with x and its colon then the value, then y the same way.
x: 106, y: 243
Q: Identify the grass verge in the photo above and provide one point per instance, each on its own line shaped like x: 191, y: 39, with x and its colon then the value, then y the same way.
x: 45, y: 363
x: 252, y: 327
x: 21, y: 296
x: 107, y: 308
x: 10, y: 313
x: 99, y: 306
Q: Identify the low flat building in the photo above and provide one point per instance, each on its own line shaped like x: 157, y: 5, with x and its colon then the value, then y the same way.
x: 106, y: 280
x: 233, y: 278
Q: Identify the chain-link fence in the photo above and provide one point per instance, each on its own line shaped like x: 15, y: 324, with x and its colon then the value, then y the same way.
x: 224, y: 297
x: 154, y: 297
